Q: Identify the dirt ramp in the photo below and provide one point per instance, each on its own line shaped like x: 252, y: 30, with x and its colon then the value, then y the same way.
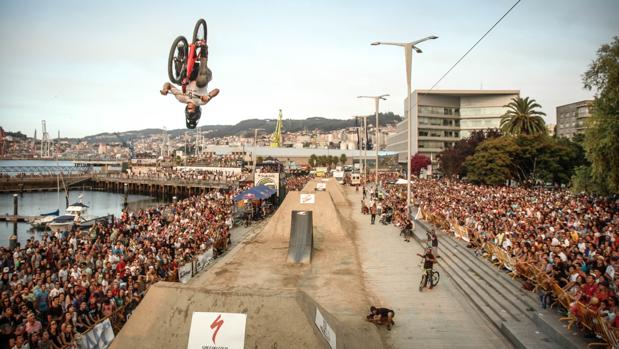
x: 275, y: 319
x: 163, y: 318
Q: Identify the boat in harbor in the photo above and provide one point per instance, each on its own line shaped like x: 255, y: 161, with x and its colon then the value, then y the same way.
x: 75, y: 214
x: 40, y: 222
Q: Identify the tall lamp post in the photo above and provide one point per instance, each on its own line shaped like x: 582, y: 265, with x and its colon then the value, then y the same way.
x: 253, y: 153
x: 376, y: 102
x: 408, y: 57
x: 364, y: 145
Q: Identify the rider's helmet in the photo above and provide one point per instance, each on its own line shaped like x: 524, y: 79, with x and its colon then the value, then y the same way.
x: 429, y: 250
x: 192, y: 118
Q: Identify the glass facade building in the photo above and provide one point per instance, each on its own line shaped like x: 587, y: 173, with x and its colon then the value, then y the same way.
x: 442, y: 117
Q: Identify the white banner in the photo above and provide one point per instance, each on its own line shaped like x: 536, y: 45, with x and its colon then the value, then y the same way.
x: 307, y: 199
x: 268, y: 179
x: 325, y: 329
x: 203, y: 260
x: 217, y: 330
x: 184, y: 273
x: 100, y: 337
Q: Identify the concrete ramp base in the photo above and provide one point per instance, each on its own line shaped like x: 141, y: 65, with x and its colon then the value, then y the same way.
x: 301, y: 240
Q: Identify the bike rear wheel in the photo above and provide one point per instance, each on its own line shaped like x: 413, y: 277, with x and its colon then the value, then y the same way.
x: 422, y: 284
x: 177, y: 60
x: 435, y: 278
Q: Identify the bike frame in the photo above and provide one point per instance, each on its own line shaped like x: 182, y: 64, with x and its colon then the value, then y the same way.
x: 192, y: 58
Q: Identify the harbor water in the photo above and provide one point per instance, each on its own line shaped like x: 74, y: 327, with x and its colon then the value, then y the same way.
x: 100, y: 204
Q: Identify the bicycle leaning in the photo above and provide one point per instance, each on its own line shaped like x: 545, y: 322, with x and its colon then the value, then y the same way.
x: 429, y: 276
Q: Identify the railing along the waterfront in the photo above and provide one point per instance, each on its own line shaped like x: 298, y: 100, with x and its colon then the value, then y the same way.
x: 165, y: 179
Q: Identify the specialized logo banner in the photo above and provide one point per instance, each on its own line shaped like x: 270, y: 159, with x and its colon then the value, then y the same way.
x: 217, y: 331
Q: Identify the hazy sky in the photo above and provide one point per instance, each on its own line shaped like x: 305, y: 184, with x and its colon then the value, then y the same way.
x: 95, y: 66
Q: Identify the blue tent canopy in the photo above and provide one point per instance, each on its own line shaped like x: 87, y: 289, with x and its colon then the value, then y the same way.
x: 260, y: 192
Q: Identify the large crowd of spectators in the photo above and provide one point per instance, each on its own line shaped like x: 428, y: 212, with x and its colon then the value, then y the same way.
x: 59, y: 286
x: 571, y: 237
x: 297, y: 182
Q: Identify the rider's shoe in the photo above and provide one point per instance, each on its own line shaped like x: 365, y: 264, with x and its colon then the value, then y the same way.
x: 214, y: 92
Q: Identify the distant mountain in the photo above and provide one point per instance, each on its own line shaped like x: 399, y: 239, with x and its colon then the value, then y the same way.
x: 247, y: 127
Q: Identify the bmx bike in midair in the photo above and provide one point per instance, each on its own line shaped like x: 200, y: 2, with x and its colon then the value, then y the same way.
x: 184, y: 57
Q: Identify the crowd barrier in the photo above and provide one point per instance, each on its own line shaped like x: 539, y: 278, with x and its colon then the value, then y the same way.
x: 578, y: 313
x: 100, y: 334
x: 191, y: 269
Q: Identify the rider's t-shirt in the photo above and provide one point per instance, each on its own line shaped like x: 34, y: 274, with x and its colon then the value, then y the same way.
x: 427, y: 261
x: 192, y: 94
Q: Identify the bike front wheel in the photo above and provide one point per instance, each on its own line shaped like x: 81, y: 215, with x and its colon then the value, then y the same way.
x: 435, y: 278
x: 200, y: 33
x: 177, y: 60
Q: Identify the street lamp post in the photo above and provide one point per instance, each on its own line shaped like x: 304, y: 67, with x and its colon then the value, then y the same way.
x: 376, y: 102
x: 408, y: 57
x: 364, y: 144
x: 253, y: 153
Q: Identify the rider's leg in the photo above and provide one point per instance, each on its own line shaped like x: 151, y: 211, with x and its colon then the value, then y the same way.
x: 429, y: 277
x: 205, y: 75
x: 390, y: 316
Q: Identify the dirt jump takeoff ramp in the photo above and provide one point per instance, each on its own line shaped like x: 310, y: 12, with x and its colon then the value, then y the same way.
x: 301, y: 237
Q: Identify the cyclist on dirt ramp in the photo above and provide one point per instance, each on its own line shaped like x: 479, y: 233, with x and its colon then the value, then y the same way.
x: 187, y: 66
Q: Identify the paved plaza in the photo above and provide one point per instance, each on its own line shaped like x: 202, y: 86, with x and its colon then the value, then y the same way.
x: 438, y: 318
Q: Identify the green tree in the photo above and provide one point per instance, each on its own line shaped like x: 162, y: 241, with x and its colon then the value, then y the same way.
x: 343, y: 159
x: 522, y: 117
x: 451, y: 159
x: 526, y: 159
x: 491, y: 163
x: 602, y: 133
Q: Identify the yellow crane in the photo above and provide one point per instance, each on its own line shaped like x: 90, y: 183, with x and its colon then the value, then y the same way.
x: 276, y: 138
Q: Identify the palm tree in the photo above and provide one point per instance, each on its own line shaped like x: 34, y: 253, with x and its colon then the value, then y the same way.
x: 522, y: 117
x: 343, y: 159
x: 313, y: 159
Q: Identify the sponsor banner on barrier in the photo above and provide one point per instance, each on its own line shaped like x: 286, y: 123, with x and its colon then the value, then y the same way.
x: 100, y: 337
x: 217, y: 330
x: 325, y: 329
x: 307, y: 199
x: 184, y: 273
x: 202, y: 260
